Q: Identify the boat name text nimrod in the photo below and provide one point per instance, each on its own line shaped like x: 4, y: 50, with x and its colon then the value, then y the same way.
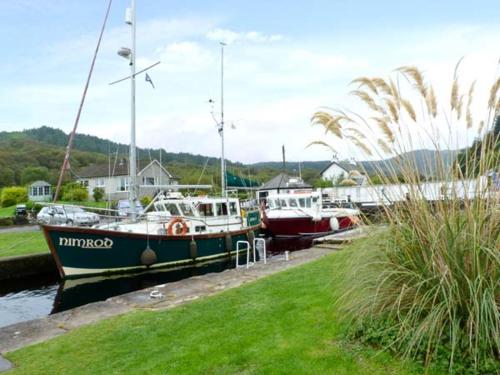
x: 86, y: 243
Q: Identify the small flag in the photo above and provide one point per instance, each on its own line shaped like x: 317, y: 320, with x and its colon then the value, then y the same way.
x: 148, y: 79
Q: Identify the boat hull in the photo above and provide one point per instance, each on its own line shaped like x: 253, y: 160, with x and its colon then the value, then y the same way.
x: 300, y: 226
x: 90, y: 251
x: 294, y: 226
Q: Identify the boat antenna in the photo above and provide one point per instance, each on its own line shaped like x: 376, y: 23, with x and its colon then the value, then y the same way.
x: 65, y: 164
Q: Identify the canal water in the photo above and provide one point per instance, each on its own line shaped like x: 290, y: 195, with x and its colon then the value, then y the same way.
x: 41, y: 296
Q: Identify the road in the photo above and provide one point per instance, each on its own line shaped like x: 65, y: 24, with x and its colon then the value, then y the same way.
x: 20, y: 228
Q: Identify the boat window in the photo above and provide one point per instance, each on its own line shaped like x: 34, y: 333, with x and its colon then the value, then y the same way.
x: 159, y: 207
x: 172, y: 208
x: 302, y: 202
x: 283, y: 203
x: 308, y: 202
x: 186, y: 209
x: 270, y: 203
x: 221, y: 209
x: 292, y: 202
x: 206, y: 209
x: 233, y: 209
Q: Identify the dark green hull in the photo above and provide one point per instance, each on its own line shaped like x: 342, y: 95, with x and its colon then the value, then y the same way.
x: 89, y: 251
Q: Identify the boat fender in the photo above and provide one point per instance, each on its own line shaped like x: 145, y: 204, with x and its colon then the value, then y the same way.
x: 193, y: 249
x: 334, y: 223
x: 229, y: 243
x: 148, y: 257
x: 177, y: 227
x: 250, y: 237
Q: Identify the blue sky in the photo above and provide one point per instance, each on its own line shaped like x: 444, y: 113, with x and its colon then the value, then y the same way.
x: 284, y: 59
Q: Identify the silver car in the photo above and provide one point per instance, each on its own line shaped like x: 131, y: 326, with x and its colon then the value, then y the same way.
x: 69, y: 215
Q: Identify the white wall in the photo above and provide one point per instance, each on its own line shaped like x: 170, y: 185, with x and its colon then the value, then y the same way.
x: 397, y: 192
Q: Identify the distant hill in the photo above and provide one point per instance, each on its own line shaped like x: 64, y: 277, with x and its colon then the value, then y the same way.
x: 426, y: 161
x: 45, y: 146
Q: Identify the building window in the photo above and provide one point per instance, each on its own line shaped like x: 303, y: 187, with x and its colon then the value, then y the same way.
x: 40, y: 190
x: 124, y: 184
x: 84, y: 183
x: 148, y: 180
x: 34, y: 191
x: 100, y: 182
x: 46, y: 190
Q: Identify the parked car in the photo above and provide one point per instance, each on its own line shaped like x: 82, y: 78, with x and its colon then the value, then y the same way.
x: 70, y: 215
x: 124, y: 210
x: 21, y: 210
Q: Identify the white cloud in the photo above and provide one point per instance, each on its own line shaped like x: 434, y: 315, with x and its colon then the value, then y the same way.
x: 229, y: 36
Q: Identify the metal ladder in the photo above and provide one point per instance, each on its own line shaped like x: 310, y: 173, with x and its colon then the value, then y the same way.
x: 248, y: 248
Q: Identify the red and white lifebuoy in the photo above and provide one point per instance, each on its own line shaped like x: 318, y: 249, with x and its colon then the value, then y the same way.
x: 177, y: 227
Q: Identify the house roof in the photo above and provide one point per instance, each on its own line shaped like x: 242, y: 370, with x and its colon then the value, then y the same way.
x: 284, y: 181
x: 346, y: 166
x: 40, y: 183
x: 120, y: 169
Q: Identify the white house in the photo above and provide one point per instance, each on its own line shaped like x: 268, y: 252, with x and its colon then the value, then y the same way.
x: 115, y: 180
x: 40, y: 191
x: 336, y: 171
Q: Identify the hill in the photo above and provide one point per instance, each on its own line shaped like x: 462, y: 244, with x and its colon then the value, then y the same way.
x: 44, y: 148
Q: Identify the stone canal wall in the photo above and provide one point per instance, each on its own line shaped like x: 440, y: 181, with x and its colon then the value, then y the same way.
x: 26, y: 266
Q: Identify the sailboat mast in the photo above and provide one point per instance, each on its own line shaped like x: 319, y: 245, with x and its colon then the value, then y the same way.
x: 221, y: 129
x: 132, y: 157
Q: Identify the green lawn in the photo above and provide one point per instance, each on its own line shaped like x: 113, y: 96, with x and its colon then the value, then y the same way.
x: 287, y: 323
x: 22, y: 243
x: 7, y: 211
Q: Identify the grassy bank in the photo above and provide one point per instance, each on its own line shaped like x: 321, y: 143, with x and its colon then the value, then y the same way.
x: 7, y: 211
x: 22, y: 243
x: 283, y: 324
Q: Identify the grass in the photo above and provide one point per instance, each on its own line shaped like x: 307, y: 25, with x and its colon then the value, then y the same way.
x: 7, y: 211
x: 283, y: 324
x: 22, y: 243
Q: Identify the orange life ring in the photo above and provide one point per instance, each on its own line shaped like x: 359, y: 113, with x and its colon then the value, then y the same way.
x: 177, y: 227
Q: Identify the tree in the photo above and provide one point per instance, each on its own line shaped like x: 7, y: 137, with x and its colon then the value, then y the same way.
x: 98, y: 193
x: 7, y: 176
x: 31, y: 174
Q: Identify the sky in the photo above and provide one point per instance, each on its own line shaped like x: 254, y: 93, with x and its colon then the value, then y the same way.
x: 283, y: 61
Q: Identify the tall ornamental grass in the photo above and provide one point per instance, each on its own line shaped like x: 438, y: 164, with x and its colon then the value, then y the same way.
x: 429, y: 288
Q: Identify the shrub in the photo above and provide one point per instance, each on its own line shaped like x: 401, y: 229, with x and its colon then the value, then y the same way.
x: 98, y: 194
x: 430, y: 289
x: 146, y: 200
x: 13, y: 195
x: 74, y: 192
x: 6, y: 221
x: 33, y: 206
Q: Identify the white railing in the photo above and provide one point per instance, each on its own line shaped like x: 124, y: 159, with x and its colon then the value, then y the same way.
x: 248, y: 264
